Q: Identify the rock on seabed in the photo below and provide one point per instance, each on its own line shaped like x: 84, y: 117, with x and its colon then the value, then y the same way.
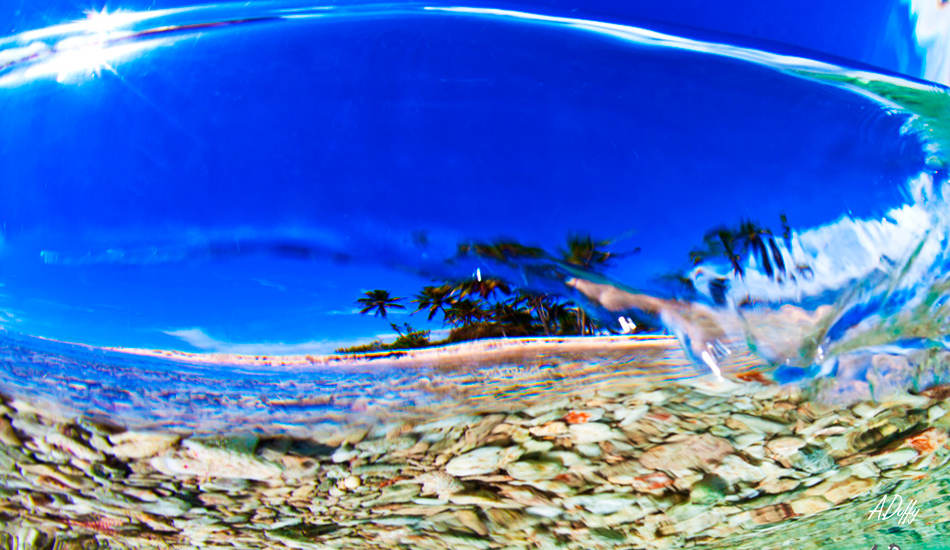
x: 482, y: 461
x: 197, y: 460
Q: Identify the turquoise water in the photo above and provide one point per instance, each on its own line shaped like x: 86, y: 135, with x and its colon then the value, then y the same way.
x: 622, y: 219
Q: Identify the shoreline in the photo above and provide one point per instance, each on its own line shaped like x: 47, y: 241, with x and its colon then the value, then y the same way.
x: 475, y: 350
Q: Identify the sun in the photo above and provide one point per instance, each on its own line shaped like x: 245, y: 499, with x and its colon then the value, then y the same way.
x: 78, y: 51
x: 89, y: 53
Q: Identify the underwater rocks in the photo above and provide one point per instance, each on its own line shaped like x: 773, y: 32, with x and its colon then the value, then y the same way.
x: 195, y: 458
x: 482, y: 461
x: 136, y: 445
x: 700, y: 452
x: 665, y: 467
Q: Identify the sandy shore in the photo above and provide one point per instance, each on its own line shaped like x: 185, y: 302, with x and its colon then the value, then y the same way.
x: 495, y: 350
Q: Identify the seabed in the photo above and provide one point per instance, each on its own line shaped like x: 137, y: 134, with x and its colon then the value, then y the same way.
x: 659, y: 463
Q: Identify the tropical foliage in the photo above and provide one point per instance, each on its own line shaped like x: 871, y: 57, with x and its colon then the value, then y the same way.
x: 488, y: 307
x: 737, y: 245
x: 584, y: 252
x: 379, y: 302
x: 747, y: 240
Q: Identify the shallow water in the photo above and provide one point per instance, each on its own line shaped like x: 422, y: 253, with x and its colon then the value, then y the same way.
x: 194, y: 200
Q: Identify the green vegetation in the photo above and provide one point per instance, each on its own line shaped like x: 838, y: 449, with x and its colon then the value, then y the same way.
x: 409, y: 338
x: 749, y: 238
x: 488, y: 307
x: 484, y: 309
x: 735, y: 244
x: 378, y: 301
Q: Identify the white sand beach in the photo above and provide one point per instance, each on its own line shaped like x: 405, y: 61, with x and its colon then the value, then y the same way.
x: 491, y: 350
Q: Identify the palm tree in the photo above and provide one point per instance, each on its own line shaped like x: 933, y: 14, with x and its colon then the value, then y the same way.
x: 680, y: 284
x: 585, y: 324
x: 719, y: 242
x: 464, y: 312
x: 560, y: 317
x: 755, y: 240
x: 435, y: 299
x: 584, y: 252
x: 484, y: 287
x: 777, y: 257
x: 379, y: 300
x: 512, y: 318
x: 786, y: 230
x: 538, y: 305
x: 501, y: 251
x: 750, y: 239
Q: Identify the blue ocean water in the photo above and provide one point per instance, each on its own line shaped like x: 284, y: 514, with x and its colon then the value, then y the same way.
x: 231, y: 179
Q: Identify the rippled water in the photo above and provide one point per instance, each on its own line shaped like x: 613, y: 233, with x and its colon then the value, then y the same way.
x: 193, y: 201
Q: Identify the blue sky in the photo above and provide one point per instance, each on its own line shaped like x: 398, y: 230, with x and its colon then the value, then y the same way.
x: 244, y: 186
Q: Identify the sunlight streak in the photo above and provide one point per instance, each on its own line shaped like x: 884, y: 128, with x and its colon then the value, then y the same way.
x: 93, y: 45
x: 711, y: 363
x: 94, y: 22
x: 791, y: 64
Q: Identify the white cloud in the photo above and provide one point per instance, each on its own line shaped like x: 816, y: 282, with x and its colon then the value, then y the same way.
x: 271, y: 284
x: 439, y: 334
x: 197, y: 338
x: 7, y: 316
x: 845, y: 251
x: 353, y: 311
x: 932, y: 30
x: 433, y: 334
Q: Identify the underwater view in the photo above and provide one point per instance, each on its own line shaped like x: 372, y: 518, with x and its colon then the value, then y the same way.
x: 490, y: 276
